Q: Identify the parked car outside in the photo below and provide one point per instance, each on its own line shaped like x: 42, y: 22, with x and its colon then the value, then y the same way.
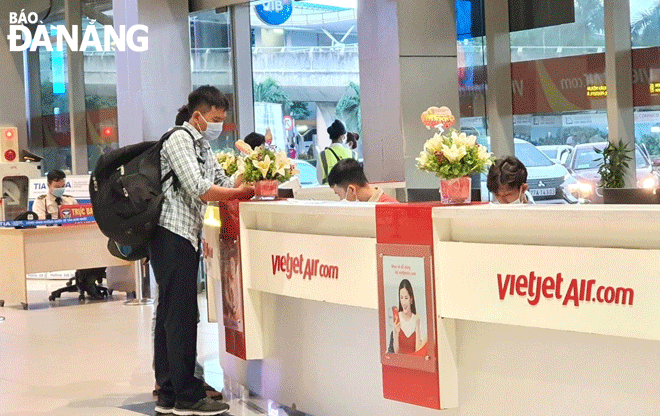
x: 307, y: 173
x: 557, y: 153
x: 584, y: 167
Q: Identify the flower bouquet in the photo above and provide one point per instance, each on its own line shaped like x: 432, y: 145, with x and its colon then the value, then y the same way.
x: 265, y: 168
x: 453, y: 157
x: 228, y: 161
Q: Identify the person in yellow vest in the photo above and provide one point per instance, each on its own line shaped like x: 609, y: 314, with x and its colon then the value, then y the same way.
x: 47, y: 206
x: 336, y: 151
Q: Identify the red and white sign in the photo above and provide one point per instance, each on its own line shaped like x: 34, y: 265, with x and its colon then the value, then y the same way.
x: 595, y: 290
x: 315, y: 267
x: 288, y: 123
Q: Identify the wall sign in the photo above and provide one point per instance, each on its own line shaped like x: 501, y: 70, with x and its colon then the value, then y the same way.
x: 274, y: 12
x: 314, y: 267
x: 582, y: 289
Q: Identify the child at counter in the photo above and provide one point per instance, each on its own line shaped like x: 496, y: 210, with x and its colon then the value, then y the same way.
x: 348, y: 181
x: 507, y: 181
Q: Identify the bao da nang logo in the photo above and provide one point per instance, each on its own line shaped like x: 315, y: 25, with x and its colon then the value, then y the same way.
x: 21, y: 38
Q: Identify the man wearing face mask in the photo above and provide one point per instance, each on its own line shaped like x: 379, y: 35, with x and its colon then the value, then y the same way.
x: 507, y: 181
x: 47, y: 206
x: 174, y: 249
x: 348, y: 181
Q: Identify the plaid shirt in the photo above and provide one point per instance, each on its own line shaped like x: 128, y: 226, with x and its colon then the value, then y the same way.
x: 196, y: 169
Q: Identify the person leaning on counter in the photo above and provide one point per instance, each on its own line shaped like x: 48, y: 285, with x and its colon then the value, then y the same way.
x: 47, y: 206
x: 348, y: 181
x: 507, y: 181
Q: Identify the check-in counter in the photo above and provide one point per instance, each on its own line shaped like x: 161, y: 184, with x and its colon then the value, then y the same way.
x: 540, y: 309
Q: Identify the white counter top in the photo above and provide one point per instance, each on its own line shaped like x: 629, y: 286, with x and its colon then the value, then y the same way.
x: 614, y: 226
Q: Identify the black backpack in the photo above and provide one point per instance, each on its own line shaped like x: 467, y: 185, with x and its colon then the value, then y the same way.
x: 126, y: 191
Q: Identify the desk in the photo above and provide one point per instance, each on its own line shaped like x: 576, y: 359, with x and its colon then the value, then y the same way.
x: 43, y: 249
x: 514, y: 353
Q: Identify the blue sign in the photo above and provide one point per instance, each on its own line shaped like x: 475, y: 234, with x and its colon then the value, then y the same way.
x: 274, y: 12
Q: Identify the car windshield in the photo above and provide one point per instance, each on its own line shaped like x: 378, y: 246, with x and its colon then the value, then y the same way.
x: 530, y: 156
x: 587, y: 158
x: 551, y: 153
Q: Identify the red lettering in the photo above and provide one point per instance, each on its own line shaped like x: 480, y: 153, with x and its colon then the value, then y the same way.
x: 572, y: 294
x: 276, y: 260
x: 559, y: 281
x: 503, y: 286
x: 521, y: 283
x: 532, y: 279
x: 548, y: 287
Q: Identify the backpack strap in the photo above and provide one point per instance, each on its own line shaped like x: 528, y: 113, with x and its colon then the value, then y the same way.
x: 171, y: 173
x: 333, y: 152
x: 324, y: 160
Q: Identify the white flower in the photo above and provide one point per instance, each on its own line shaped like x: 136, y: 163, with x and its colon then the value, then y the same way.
x: 228, y: 161
x: 484, y: 154
x: 243, y: 147
x: 423, y: 158
x: 240, y: 163
x: 281, y: 163
x: 453, y: 153
x: 434, y: 144
x: 465, y: 140
x: 263, y: 166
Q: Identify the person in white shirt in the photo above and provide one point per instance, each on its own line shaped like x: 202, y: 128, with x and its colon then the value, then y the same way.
x: 507, y: 181
x: 47, y: 206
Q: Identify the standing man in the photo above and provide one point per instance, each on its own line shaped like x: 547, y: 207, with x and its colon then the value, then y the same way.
x: 47, y: 206
x: 173, y: 251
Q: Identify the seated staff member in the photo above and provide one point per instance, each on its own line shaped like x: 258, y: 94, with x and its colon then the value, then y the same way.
x: 47, y: 206
x: 507, y: 180
x: 348, y: 181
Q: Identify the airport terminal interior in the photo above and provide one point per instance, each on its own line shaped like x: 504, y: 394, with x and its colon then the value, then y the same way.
x: 308, y: 293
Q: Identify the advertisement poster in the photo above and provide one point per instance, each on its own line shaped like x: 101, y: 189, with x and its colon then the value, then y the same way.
x: 232, y: 294
x: 406, y: 307
x: 406, y: 313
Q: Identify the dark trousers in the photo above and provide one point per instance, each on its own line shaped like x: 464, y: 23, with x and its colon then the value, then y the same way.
x: 175, y: 263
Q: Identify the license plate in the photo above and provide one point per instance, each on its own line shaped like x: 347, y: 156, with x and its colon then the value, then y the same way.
x: 543, y: 192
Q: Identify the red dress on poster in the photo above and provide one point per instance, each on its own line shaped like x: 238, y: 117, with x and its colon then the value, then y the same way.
x: 407, y: 344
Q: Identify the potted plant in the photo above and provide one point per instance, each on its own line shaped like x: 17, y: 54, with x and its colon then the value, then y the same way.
x: 265, y: 168
x: 616, y: 158
x: 453, y: 157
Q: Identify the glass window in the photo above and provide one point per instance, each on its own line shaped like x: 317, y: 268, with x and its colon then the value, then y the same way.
x: 530, y: 156
x: 645, y: 38
x: 471, y: 57
x: 53, y: 140
x: 100, y: 96
x: 559, y: 93
x: 212, y: 64
x: 306, y: 67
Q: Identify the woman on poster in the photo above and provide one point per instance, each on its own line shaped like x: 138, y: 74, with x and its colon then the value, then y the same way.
x: 409, y: 335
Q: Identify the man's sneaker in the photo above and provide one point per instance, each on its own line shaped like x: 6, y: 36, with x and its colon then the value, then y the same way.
x: 164, y: 406
x: 203, y: 407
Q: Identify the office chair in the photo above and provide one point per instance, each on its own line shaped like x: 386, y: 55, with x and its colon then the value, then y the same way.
x: 85, y: 281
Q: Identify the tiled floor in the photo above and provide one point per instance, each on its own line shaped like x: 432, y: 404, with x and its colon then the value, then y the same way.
x: 87, y: 359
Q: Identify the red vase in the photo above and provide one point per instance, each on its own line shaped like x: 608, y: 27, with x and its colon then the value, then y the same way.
x: 266, y: 189
x: 456, y: 191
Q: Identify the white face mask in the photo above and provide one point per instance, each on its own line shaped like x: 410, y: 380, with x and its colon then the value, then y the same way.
x: 213, y: 130
x: 58, y: 192
x: 517, y: 201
